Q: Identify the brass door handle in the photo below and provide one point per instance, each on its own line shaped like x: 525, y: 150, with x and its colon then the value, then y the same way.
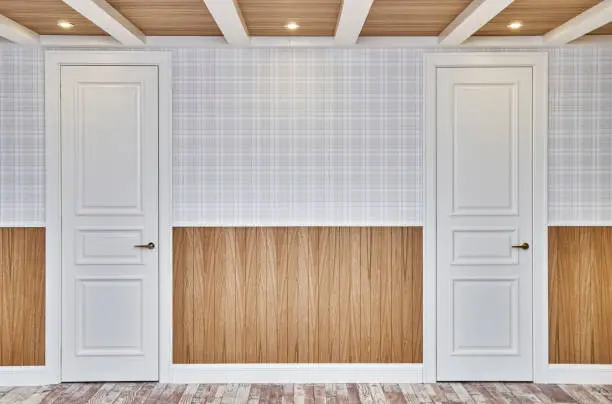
x: 524, y: 246
x: 150, y: 246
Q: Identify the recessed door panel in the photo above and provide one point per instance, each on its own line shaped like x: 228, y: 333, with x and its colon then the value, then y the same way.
x: 484, y: 246
x: 108, y: 130
x: 500, y: 315
x: 110, y: 314
x: 485, y: 140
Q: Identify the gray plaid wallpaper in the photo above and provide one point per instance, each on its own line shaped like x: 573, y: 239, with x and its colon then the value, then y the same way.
x: 22, y: 143
x: 312, y: 136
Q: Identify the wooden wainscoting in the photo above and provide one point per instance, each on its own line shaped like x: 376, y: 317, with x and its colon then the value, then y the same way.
x: 22, y: 296
x: 580, y: 302
x: 297, y: 295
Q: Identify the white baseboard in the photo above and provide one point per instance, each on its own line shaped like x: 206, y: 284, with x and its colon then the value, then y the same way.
x: 27, y: 376
x: 579, y: 374
x: 296, y: 373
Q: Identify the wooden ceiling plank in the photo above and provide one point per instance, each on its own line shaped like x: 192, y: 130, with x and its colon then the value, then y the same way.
x: 17, y: 33
x: 110, y: 20
x: 228, y: 17
x: 589, y: 21
x: 474, y: 17
x: 350, y: 23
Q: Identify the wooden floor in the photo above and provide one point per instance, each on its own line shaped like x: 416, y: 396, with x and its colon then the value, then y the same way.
x: 306, y: 393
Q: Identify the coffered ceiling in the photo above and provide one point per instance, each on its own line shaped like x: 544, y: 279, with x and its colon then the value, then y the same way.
x: 312, y: 18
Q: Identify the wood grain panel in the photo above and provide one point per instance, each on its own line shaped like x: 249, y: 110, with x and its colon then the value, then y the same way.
x: 41, y: 16
x: 22, y: 296
x: 580, y: 295
x: 297, y: 295
x: 538, y: 16
x: 169, y: 17
x: 411, y: 17
x: 269, y: 17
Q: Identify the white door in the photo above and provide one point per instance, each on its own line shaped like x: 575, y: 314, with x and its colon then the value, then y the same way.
x: 109, y: 141
x: 484, y: 208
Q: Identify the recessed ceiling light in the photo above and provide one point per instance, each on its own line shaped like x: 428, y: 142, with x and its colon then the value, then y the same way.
x: 292, y: 25
x: 515, y: 25
x: 65, y: 24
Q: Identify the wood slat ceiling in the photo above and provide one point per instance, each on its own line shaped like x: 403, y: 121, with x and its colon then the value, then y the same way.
x: 411, y: 17
x: 269, y: 17
x: 605, y: 30
x: 41, y: 16
x: 168, y: 17
x: 538, y: 16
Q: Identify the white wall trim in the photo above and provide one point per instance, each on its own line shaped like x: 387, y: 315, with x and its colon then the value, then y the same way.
x: 579, y: 374
x: 539, y: 63
x: 53, y: 62
x: 27, y: 376
x: 580, y: 223
x: 296, y: 373
x: 480, y: 42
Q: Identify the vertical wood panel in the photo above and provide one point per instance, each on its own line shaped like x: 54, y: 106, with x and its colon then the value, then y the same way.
x: 251, y: 291
x: 580, y: 290
x: 324, y: 291
x: 298, y: 295
x: 182, y: 293
x: 22, y: 296
x: 354, y: 316
x: 309, y: 273
x: 366, y: 268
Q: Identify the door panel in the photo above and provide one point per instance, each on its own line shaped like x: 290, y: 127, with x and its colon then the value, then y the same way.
x: 484, y: 208
x: 109, y: 140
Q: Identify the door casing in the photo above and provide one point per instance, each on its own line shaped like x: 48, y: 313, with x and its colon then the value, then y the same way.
x: 54, y: 60
x: 539, y: 63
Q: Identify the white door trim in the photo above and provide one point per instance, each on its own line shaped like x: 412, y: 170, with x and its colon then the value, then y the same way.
x: 53, y: 62
x: 539, y: 63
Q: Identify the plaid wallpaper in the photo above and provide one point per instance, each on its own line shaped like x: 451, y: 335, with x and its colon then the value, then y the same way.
x: 22, y: 143
x: 312, y: 136
x: 580, y: 136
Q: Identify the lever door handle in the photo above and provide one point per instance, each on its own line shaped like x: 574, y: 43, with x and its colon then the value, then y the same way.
x: 149, y: 246
x: 524, y: 246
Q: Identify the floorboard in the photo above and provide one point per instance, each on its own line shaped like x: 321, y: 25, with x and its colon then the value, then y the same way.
x: 127, y: 393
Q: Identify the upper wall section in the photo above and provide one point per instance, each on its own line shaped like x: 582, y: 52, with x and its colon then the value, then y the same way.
x: 22, y: 142
x: 312, y: 136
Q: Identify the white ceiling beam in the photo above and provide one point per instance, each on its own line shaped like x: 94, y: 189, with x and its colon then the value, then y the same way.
x: 228, y: 17
x: 590, y: 20
x: 350, y: 23
x: 474, y: 17
x: 17, y: 33
x: 110, y: 20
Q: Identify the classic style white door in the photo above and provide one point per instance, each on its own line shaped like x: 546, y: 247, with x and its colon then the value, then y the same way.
x: 484, y: 224
x: 109, y: 148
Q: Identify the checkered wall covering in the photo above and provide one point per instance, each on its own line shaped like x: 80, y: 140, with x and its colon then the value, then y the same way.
x: 297, y: 136
x: 312, y: 136
x: 580, y: 136
x: 22, y: 142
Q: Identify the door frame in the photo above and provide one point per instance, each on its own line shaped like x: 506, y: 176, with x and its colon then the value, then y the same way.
x: 538, y: 61
x: 54, y: 60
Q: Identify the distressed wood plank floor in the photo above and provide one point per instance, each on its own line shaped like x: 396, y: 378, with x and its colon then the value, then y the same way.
x: 125, y: 393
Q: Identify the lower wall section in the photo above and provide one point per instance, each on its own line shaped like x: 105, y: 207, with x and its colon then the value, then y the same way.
x: 297, y: 295
x: 22, y: 296
x: 580, y: 300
